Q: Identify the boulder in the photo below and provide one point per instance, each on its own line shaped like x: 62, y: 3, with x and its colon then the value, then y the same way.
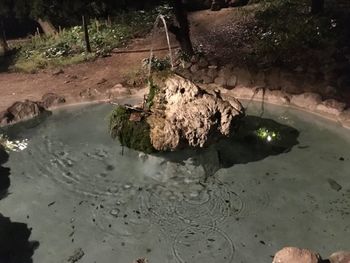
x: 22, y: 111
x: 186, y: 115
x: 340, y: 257
x: 306, y: 100
x: 50, y: 100
x: 295, y: 255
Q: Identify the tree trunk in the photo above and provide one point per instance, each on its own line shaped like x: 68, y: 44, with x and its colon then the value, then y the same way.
x: 317, y: 6
x: 3, y: 43
x: 47, y: 27
x: 86, y: 35
x: 182, y: 31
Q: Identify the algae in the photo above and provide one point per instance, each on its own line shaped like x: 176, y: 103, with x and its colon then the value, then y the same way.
x: 133, y: 134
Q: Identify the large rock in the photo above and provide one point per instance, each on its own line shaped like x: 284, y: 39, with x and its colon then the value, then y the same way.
x: 20, y: 111
x: 186, y: 115
x: 295, y: 255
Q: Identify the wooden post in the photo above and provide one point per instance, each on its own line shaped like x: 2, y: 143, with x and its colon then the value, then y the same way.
x: 86, y: 35
x: 3, y: 42
x: 317, y: 6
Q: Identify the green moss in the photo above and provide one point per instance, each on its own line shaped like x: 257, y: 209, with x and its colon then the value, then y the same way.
x: 135, y: 135
x: 153, y: 89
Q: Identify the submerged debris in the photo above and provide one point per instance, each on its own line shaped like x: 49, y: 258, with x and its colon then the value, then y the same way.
x: 77, y: 255
x: 141, y: 260
x: 334, y: 185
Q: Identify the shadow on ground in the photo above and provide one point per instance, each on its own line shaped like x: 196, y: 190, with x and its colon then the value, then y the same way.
x: 15, y: 246
x: 243, y: 147
x: 6, y: 61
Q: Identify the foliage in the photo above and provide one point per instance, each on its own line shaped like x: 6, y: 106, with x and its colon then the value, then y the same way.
x: 284, y: 26
x: 135, y: 135
x: 157, y: 64
x: 68, y: 45
x: 185, y: 57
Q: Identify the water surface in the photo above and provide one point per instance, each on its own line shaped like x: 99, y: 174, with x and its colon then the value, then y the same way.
x: 237, y: 201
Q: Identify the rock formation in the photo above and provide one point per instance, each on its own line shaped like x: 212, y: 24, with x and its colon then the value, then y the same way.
x: 25, y: 110
x: 177, y: 114
x: 185, y: 115
x: 21, y: 111
x: 296, y: 255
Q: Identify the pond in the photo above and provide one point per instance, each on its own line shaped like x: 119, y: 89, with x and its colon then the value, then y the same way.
x: 240, y: 200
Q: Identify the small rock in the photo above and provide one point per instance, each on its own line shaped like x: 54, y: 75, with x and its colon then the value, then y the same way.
x: 343, y: 117
x: 340, y: 257
x: 221, y: 81
x: 51, y: 99
x: 101, y: 81
x: 231, y: 82
x: 244, y: 77
x: 207, y: 79
x: 212, y: 73
x: 117, y: 91
x: 203, y: 63
x: 331, y: 106
x: 57, y: 72
x: 242, y: 92
x: 295, y: 255
x: 225, y: 72
x: 277, y: 97
x: 194, y: 68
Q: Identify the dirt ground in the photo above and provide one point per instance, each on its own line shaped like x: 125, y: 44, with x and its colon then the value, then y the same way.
x: 224, y: 35
x: 112, y: 70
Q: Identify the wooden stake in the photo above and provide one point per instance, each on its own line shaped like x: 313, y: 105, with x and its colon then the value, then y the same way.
x: 86, y: 35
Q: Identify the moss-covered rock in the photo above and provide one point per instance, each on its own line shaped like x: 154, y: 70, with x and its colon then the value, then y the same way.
x: 131, y: 128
